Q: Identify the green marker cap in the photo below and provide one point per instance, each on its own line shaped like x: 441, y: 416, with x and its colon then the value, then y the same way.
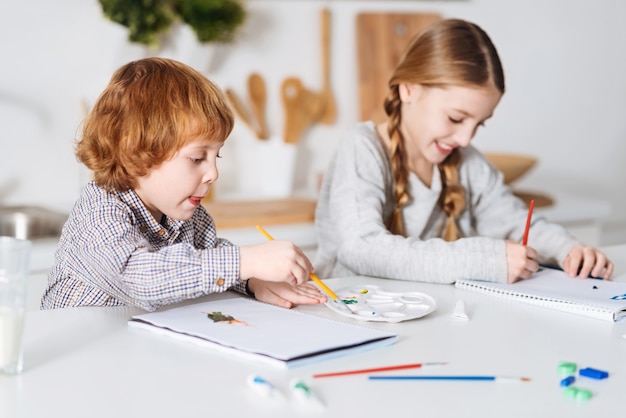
x: 567, y: 368
x: 570, y: 392
x: 583, y: 394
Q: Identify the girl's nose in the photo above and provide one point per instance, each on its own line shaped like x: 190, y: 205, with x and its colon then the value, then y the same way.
x: 464, y: 136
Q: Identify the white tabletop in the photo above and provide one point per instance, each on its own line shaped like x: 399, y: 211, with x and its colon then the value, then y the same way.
x: 86, y: 362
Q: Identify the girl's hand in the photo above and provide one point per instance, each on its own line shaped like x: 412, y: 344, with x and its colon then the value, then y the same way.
x: 276, y: 261
x: 284, y: 294
x: 584, y: 261
x: 521, y: 261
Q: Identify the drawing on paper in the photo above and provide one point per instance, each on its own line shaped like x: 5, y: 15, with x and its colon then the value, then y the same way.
x: 220, y: 317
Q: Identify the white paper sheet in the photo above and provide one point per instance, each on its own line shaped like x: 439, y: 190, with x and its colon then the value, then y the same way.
x: 277, y: 335
x: 552, y: 288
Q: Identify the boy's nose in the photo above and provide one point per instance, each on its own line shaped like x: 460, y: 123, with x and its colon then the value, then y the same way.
x: 211, y: 175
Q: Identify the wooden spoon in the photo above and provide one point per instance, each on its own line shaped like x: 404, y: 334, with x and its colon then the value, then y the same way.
x: 291, y: 91
x: 303, y: 108
x: 258, y: 96
x: 329, y: 114
x: 239, y: 109
x: 312, y: 106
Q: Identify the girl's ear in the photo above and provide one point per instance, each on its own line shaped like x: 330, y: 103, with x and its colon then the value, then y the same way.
x: 409, y: 92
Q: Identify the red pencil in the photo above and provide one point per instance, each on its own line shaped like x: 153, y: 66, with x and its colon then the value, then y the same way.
x: 377, y: 369
x: 530, y: 215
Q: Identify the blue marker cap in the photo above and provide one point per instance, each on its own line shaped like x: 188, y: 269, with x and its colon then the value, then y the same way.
x: 568, y: 381
x: 593, y: 373
x: 263, y: 387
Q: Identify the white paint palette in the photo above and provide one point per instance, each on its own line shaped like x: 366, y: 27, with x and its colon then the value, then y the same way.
x: 370, y: 303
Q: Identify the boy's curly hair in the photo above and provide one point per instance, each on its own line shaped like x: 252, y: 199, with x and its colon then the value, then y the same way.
x: 150, y: 109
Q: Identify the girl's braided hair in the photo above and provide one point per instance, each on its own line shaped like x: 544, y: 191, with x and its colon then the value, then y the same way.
x: 448, y: 52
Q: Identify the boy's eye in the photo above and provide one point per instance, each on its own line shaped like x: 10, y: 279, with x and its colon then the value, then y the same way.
x: 455, y: 120
x: 197, y: 160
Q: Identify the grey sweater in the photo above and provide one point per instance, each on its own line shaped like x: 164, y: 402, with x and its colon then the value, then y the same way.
x: 357, y: 197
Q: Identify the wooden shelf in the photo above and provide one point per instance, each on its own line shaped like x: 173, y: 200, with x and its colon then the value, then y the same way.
x: 242, y: 214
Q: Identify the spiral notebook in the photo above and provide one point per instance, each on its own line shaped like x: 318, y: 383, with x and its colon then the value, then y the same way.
x: 256, y: 330
x: 552, y: 288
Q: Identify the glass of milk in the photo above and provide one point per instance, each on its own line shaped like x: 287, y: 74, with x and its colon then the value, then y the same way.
x: 14, y: 269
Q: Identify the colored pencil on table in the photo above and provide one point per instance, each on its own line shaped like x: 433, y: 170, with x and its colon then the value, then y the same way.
x: 530, y: 215
x: 378, y: 369
x: 507, y: 378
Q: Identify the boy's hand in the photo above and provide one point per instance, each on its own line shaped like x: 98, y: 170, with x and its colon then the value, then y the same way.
x: 585, y: 261
x: 276, y: 261
x: 284, y: 294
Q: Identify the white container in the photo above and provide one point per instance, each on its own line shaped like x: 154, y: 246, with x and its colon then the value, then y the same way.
x: 257, y: 169
x: 276, y: 167
x: 14, y: 269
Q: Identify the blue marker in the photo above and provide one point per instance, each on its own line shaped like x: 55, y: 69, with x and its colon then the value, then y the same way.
x: 263, y: 387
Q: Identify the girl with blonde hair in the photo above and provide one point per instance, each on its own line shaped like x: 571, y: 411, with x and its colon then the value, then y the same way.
x: 411, y: 199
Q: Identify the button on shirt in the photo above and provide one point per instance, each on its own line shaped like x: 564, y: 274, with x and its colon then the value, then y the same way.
x: 113, y: 252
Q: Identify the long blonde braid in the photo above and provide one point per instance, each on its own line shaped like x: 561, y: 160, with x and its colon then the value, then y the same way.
x: 397, y: 154
x: 452, y: 198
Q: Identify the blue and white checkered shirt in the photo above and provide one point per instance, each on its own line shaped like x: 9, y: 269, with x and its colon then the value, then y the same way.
x: 113, y: 252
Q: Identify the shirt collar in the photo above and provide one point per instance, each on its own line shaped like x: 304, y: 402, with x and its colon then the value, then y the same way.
x: 145, y: 218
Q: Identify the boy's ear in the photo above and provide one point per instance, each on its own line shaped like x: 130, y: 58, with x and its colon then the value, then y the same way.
x: 409, y: 92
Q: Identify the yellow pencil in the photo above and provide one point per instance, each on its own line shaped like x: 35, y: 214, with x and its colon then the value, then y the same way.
x: 311, y: 275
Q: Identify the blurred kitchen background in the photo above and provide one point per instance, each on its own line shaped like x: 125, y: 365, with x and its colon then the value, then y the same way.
x: 565, y: 105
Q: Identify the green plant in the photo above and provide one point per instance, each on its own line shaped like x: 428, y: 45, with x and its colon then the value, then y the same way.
x: 212, y: 20
x: 148, y: 20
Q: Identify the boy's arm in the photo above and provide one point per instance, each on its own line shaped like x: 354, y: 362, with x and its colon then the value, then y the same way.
x: 206, y: 233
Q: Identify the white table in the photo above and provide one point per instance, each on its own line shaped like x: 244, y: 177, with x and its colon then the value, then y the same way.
x: 86, y: 362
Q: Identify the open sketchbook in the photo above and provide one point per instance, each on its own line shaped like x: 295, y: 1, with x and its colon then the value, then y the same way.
x: 278, y: 336
x: 552, y: 288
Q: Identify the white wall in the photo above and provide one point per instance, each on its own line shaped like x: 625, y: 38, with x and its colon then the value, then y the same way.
x: 565, y: 65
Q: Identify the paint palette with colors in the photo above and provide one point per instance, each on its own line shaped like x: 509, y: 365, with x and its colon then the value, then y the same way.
x: 371, y: 303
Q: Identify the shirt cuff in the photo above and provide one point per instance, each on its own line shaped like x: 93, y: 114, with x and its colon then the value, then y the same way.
x: 248, y: 291
x: 242, y: 287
